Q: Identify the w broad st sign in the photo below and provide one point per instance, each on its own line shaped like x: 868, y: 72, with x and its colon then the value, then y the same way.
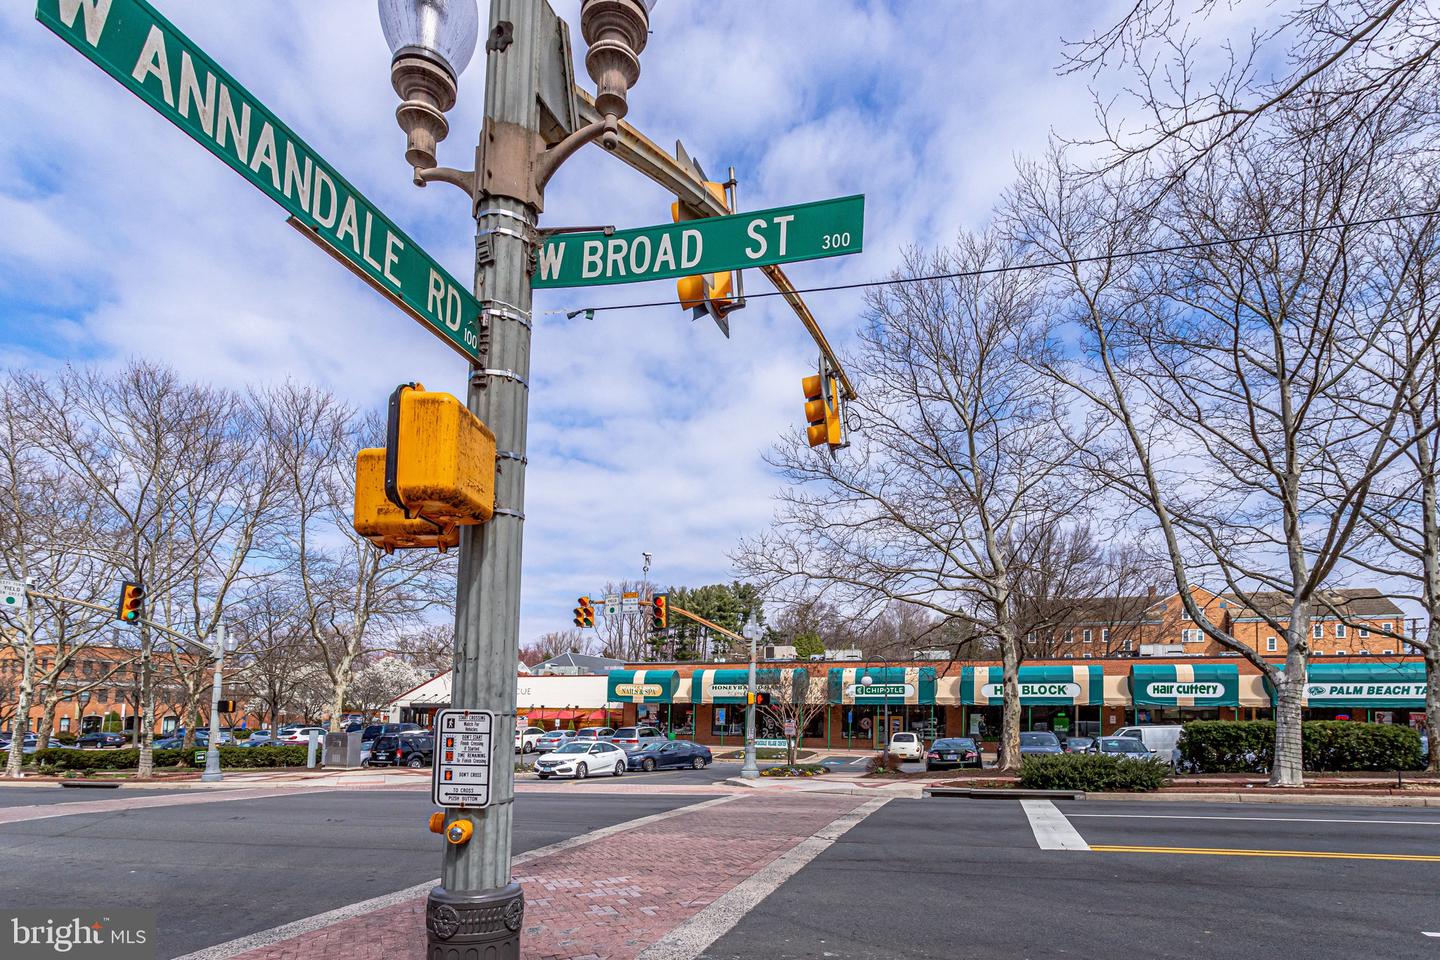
x: 808, y: 231
x: 132, y: 42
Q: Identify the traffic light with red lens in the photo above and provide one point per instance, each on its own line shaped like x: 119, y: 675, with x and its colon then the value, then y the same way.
x: 132, y: 602
x: 660, y: 611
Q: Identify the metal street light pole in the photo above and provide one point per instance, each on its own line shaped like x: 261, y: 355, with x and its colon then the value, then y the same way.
x: 749, y: 770
x: 212, y: 772
x: 478, y: 910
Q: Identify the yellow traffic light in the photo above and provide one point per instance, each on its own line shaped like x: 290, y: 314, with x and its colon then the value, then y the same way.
x: 712, y: 289
x: 440, y: 459
x: 660, y: 611
x: 132, y: 602
x: 584, y: 613
x: 384, y: 524
x: 822, y: 411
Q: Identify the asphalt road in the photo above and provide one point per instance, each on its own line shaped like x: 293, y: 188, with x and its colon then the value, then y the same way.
x: 967, y: 878
x: 50, y: 793
x: 217, y: 871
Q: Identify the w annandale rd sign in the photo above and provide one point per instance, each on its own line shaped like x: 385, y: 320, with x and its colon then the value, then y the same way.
x: 807, y: 231
x: 133, y: 43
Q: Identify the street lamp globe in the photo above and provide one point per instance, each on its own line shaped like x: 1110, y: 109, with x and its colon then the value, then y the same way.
x: 867, y: 680
x: 431, y: 43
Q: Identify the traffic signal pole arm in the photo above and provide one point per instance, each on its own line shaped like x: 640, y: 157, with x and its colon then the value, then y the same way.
x: 706, y: 623
x: 642, y: 154
x: 110, y: 608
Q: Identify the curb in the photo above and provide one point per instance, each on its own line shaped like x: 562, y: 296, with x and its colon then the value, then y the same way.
x: 1003, y: 793
x: 1324, y: 799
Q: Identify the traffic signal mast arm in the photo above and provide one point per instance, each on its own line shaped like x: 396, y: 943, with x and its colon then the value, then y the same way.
x: 640, y: 153
x: 706, y: 623
x: 110, y: 608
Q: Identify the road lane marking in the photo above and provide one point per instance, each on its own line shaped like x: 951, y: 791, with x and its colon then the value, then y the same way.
x: 693, y: 937
x: 1300, y: 854
x: 1429, y: 934
x: 1052, y: 830
x: 1176, y: 816
x: 230, y: 948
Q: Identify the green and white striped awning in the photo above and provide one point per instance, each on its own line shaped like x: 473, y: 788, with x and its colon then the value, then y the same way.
x: 1395, y: 685
x: 643, y: 686
x: 1039, y: 686
x: 892, y: 685
x: 1185, y: 685
x: 729, y: 685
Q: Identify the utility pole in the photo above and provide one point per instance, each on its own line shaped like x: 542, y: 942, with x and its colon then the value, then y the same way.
x: 750, y: 770
x: 212, y: 772
x: 478, y: 910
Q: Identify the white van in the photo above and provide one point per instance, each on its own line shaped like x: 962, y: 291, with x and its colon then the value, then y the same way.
x: 1163, y: 740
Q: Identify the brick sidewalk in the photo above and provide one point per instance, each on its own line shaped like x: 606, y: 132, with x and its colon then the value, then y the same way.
x: 608, y: 899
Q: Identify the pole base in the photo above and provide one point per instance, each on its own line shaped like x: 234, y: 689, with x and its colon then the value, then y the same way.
x: 484, y: 924
x: 208, y: 777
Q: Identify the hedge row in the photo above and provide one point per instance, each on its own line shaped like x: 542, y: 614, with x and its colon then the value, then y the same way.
x: 1092, y: 772
x: 129, y: 759
x: 1248, y: 746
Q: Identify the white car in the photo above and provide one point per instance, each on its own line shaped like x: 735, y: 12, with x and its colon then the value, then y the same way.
x: 907, y: 746
x: 301, y: 734
x: 579, y: 760
x: 526, y: 738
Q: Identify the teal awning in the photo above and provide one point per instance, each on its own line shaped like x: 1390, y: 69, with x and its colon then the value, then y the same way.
x: 643, y: 686
x: 1396, y: 685
x: 888, y: 685
x: 729, y: 685
x: 1185, y: 685
x: 1039, y: 686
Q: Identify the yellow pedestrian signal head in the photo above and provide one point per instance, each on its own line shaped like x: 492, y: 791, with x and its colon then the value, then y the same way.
x: 762, y: 699
x: 384, y: 524
x: 822, y: 411
x: 439, y: 458
x: 132, y: 602
x: 708, y: 291
x: 660, y: 611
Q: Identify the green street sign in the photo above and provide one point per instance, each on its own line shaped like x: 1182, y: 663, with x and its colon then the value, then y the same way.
x: 132, y: 42
x: 807, y: 231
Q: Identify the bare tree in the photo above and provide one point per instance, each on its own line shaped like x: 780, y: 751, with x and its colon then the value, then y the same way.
x: 796, y: 698
x: 1245, y: 422
x: 553, y: 644
x: 352, y: 594
x: 957, y: 470
x: 1356, y: 60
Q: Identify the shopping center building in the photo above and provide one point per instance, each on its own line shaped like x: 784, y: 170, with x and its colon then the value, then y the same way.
x: 854, y: 703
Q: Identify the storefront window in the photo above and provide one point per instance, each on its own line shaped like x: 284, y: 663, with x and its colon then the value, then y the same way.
x: 727, y: 721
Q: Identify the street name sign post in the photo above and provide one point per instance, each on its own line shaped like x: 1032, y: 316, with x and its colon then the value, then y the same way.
x: 464, y: 756
x: 132, y: 42
x: 807, y: 231
x: 12, y: 596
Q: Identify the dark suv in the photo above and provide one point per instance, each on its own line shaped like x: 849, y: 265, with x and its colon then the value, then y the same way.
x: 412, y: 749
x: 379, y: 729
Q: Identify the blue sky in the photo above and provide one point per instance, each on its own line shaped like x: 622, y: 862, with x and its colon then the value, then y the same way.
x: 124, y: 238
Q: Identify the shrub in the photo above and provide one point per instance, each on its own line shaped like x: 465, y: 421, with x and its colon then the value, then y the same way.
x: 129, y: 759
x: 884, y: 762
x: 65, y: 738
x: 1229, y: 746
x: 1092, y: 773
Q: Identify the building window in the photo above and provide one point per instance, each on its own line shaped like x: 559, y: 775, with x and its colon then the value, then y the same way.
x: 1105, y: 635
x: 1317, y: 653
x: 1318, y: 631
x: 1087, y: 636
x: 1089, y: 656
x: 1069, y: 656
x: 1191, y: 635
x: 1364, y: 653
x: 1364, y: 633
x: 64, y: 724
x: 1271, y: 644
x: 1389, y: 627
x: 1389, y: 652
x: 104, y: 696
x: 1340, y: 631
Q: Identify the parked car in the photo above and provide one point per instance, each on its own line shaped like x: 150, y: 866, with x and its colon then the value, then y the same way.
x: 30, y: 744
x: 526, y: 738
x: 594, y: 733
x: 300, y: 734
x: 669, y: 753
x: 954, y: 752
x: 410, y: 749
x: 907, y: 746
x: 1077, y: 744
x: 258, y: 738
x: 1162, y: 739
x: 94, y: 741
x: 627, y: 738
x: 1038, y: 742
x: 1129, y: 748
x: 553, y: 740
x: 579, y: 760
x: 368, y: 734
